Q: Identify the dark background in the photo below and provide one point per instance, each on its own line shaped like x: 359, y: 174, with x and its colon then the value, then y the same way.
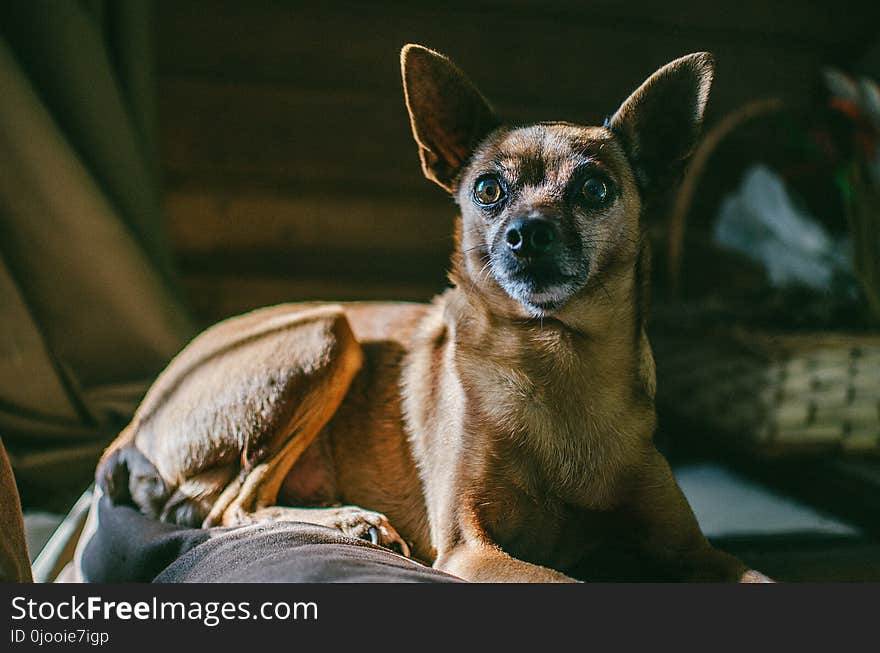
x: 288, y: 172
x: 288, y: 161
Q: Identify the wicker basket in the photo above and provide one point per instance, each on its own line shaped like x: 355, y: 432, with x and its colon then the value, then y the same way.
x: 774, y: 394
x: 770, y: 394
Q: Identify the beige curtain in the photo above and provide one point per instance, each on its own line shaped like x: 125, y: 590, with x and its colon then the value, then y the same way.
x: 88, y: 307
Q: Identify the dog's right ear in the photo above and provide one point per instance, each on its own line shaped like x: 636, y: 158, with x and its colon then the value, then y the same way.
x: 449, y: 117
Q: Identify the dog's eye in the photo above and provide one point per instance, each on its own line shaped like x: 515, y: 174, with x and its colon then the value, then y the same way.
x: 596, y: 190
x: 488, y: 190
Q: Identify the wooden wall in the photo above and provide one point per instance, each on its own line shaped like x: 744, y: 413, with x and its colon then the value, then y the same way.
x: 287, y: 155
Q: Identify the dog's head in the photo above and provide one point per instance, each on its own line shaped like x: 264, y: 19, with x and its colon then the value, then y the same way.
x: 549, y: 209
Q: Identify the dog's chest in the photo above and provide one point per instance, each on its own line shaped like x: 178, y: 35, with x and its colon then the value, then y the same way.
x: 562, y: 420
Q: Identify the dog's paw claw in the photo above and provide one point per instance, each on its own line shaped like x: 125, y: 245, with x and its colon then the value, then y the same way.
x: 371, y: 526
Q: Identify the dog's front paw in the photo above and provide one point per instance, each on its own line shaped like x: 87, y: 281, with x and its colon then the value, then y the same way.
x: 368, y: 525
x: 752, y: 576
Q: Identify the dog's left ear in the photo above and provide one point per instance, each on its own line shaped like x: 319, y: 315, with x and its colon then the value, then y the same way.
x: 660, y: 122
x: 449, y: 116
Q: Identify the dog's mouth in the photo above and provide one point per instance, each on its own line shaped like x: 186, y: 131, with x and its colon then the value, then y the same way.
x: 541, y: 286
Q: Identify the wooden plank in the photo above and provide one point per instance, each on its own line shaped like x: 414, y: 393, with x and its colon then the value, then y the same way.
x: 328, y: 262
x: 215, y: 297
x: 203, y: 220
x: 222, y: 134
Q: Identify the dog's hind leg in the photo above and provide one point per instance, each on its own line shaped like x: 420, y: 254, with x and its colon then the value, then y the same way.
x: 224, y: 423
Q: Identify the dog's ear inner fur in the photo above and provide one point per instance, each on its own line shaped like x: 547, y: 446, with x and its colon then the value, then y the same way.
x: 660, y: 122
x: 449, y: 117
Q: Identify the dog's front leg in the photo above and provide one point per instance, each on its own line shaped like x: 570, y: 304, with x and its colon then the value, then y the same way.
x: 483, y: 562
x: 658, y: 524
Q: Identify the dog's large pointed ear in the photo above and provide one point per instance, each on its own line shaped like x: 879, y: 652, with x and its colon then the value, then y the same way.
x: 660, y: 122
x: 449, y: 117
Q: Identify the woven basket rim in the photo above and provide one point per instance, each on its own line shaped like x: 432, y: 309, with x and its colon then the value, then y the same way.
x: 809, y: 340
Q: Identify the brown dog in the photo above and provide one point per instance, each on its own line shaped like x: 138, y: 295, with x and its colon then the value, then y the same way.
x: 505, y: 430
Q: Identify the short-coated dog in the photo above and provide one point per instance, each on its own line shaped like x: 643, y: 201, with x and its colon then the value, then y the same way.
x: 503, y: 432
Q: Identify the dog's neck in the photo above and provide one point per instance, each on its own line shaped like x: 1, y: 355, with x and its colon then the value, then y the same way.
x: 597, y: 338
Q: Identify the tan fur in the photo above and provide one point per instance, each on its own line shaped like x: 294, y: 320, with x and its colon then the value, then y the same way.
x: 493, y: 442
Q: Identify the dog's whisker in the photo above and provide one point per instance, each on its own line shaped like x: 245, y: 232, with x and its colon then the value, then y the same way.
x: 485, y: 271
x: 474, y: 248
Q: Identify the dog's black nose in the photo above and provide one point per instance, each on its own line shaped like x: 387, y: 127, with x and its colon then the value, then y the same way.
x: 530, y: 236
